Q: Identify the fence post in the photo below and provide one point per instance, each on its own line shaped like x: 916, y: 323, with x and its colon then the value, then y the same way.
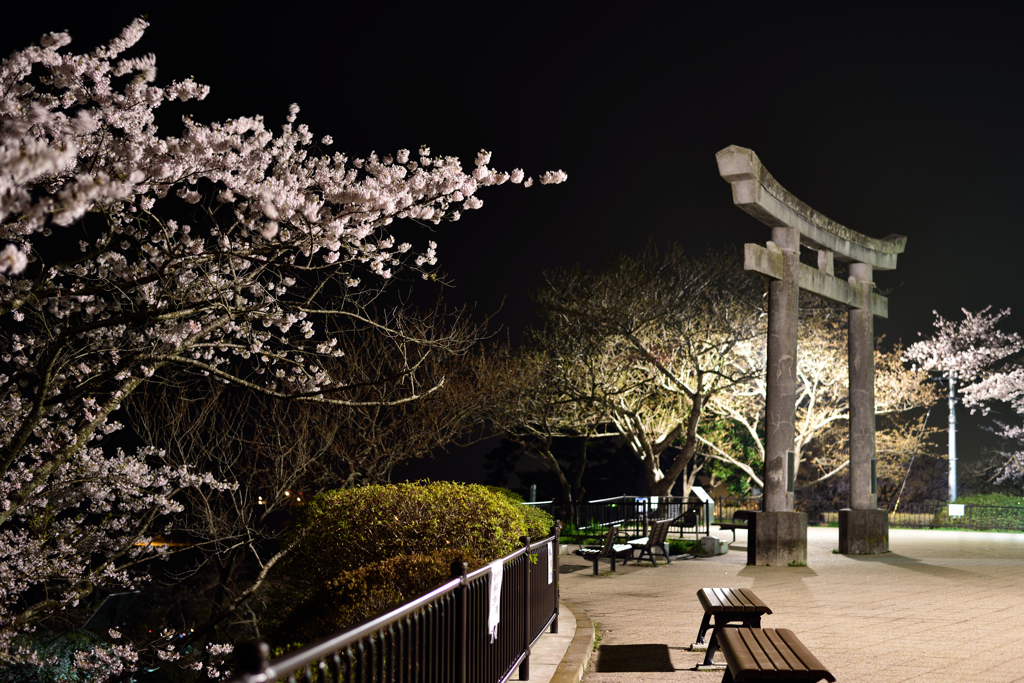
x: 556, y: 531
x: 459, y: 570
x: 524, y: 667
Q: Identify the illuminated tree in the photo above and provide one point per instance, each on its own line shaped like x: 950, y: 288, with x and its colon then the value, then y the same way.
x: 652, y: 338
x: 822, y: 401
x: 552, y: 410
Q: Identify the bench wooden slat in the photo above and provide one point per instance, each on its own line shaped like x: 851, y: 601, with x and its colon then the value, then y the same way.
x: 709, y: 600
x: 763, y: 662
x: 812, y: 663
x: 778, y: 657
x: 737, y: 656
x: 769, y: 654
x: 755, y: 601
x: 793, y: 661
x: 740, y: 600
x: 723, y: 601
x: 729, y: 600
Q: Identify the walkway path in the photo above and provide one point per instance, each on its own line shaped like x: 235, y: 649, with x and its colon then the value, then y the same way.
x: 942, y: 606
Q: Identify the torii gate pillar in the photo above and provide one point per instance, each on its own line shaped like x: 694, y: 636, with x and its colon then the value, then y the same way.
x: 778, y: 535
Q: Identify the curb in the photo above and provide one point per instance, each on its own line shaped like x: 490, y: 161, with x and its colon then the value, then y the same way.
x: 577, y: 656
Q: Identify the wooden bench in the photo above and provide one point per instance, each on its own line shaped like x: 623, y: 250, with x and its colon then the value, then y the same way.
x: 740, y: 520
x: 609, y: 549
x: 754, y: 654
x: 656, y: 539
x: 727, y: 606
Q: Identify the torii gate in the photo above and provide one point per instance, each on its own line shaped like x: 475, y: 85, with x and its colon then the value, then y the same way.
x: 779, y: 535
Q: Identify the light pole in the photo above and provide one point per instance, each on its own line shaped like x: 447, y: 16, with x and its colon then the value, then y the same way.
x: 952, y: 436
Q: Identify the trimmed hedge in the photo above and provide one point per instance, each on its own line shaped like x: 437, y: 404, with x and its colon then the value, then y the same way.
x: 349, y: 528
x: 538, y: 523
x: 995, y: 511
x: 360, y: 594
x: 363, y: 551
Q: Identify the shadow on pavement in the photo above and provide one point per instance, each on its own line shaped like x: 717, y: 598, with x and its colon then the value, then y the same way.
x: 913, y: 564
x: 634, y: 658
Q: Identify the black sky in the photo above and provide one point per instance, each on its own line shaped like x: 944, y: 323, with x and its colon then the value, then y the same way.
x: 891, y: 118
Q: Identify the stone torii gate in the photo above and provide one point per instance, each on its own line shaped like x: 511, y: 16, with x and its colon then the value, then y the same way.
x: 778, y: 535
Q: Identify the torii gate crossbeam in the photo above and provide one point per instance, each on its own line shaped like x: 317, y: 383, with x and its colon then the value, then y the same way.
x: 780, y: 535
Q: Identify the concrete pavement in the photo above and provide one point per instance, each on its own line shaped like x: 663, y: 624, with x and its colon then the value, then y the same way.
x: 562, y: 657
x: 942, y: 606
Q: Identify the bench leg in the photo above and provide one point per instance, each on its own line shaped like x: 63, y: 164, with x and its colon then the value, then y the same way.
x: 705, y: 624
x: 664, y: 551
x: 709, y: 656
x: 751, y: 620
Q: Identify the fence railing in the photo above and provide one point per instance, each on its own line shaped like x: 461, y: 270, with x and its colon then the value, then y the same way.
x: 440, y: 636
x: 908, y: 515
x: 633, y: 515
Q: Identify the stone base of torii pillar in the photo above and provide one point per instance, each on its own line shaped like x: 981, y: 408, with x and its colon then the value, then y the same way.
x: 777, y: 539
x: 863, y: 532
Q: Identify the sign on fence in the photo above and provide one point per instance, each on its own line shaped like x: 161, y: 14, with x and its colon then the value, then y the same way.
x: 956, y: 510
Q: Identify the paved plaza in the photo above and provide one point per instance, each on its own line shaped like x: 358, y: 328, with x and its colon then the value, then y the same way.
x: 941, y: 606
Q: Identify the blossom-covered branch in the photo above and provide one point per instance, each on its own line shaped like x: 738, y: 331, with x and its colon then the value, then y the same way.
x: 226, y: 250
x: 980, y: 357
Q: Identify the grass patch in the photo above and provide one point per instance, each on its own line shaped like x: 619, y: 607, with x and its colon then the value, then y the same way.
x: 681, y: 546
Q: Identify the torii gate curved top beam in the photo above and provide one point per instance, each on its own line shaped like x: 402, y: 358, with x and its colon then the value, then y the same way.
x: 864, y: 528
x: 755, y: 191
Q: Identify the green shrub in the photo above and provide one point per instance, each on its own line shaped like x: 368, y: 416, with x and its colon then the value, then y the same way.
x: 538, y: 522
x: 994, y: 499
x: 987, y: 511
x: 361, y: 552
x: 346, y: 529
x: 358, y: 595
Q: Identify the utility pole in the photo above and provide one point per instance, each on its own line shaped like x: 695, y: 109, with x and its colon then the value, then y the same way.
x: 952, y: 436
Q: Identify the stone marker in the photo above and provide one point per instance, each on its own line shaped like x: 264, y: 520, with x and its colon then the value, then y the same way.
x: 780, y: 535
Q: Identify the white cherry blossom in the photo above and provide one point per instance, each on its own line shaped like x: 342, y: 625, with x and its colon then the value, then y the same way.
x: 227, y: 249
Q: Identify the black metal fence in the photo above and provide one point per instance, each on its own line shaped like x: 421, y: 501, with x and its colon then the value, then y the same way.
x: 907, y: 516
x: 632, y: 514
x: 440, y: 636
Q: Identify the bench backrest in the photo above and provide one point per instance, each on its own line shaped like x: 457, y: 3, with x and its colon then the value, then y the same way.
x: 659, y: 532
x: 743, y: 514
x: 609, y: 540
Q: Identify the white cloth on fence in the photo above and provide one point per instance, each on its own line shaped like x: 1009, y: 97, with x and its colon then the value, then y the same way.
x: 494, y: 613
x: 551, y: 561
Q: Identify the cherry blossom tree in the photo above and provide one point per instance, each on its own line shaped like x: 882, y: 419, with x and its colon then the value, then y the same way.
x: 978, y: 357
x: 227, y: 251
x: 972, y: 350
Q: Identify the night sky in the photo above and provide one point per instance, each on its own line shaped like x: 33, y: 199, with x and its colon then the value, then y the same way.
x: 888, y: 119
